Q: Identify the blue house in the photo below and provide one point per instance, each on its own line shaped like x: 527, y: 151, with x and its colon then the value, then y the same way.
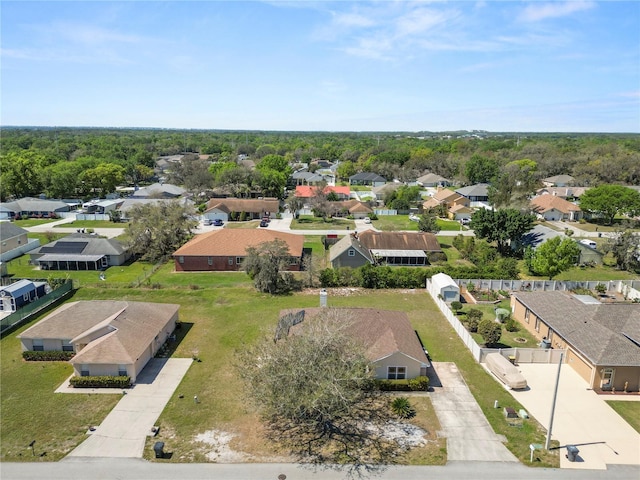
x: 18, y: 294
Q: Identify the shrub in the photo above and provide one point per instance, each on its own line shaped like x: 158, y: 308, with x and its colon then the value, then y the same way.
x: 100, y: 382
x: 490, y: 331
x: 419, y: 384
x: 511, y: 325
x: 473, y: 319
x: 456, y: 306
x: 601, y: 288
x: 48, y: 356
x: 402, y: 407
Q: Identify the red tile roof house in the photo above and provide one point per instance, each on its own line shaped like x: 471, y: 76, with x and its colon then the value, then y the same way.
x: 554, y: 209
x: 253, y: 208
x: 308, y: 191
x: 390, y: 341
x: 226, y: 249
x: 110, y: 337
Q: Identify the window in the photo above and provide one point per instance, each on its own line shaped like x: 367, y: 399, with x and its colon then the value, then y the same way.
x: 239, y: 260
x: 526, y: 315
x: 230, y: 260
x: 105, y: 262
x: 38, y: 345
x: 180, y: 259
x: 67, y: 347
x: 210, y: 260
x: 396, y: 373
x: 352, y: 253
x: 537, y: 324
x: 84, y: 371
x: 122, y: 370
x: 25, y: 297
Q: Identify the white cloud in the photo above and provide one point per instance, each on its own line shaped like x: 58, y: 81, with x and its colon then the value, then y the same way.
x: 353, y: 20
x: 537, y: 11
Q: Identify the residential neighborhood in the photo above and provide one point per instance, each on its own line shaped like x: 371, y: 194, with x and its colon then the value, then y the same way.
x: 173, y: 281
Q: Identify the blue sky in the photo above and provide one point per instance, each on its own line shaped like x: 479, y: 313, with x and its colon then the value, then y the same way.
x: 569, y: 66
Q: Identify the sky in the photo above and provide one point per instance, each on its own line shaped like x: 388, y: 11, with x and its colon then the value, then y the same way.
x: 502, y: 66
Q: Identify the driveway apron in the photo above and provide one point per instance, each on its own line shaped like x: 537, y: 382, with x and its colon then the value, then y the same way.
x: 124, y: 431
x: 468, y: 433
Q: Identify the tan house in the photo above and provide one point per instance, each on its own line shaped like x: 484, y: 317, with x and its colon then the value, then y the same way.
x: 553, y: 208
x: 226, y: 249
x: 445, y: 197
x: 12, y: 236
x: 226, y: 209
x: 460, y: 212
x: 391, y: 343
x: 110, y: 337
x: 602, y: 339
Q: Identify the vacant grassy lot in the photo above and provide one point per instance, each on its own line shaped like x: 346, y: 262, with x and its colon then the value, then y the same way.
x: 218, y: 319
x: 630, y: 411
x: 95, y: 224
x: 32, y: 222
x: 392, y: 223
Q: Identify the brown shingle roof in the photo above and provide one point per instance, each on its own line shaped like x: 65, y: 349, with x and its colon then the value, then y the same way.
x: 234, y: 242
x: 544, y: 203
x: 249, y: 205
x: 134, y: 325
x: 424, y: 241
x: 382, y: 332
x: 600, y: 332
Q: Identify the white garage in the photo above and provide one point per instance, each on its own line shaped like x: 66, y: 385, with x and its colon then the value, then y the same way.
x: 446, y: 287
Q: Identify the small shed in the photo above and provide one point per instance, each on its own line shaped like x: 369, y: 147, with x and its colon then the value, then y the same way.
x: 19, y: 293
x: 445, y: 286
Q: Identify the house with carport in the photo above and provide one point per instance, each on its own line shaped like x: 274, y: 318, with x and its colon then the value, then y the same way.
x: 109, y: 337
x: 230, y: 209
x: 226, y: 249
x: 389, y: 340
x: 602, y: 340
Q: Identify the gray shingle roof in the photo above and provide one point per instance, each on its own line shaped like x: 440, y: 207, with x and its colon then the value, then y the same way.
x: 364, y: 176
x: 596, y: 331
x: 9, y: 230
x: 478, y: 190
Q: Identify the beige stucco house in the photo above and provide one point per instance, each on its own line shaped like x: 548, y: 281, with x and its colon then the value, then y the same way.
x: 110, y: 337
x: 391, y: 343
x: 602, y: 339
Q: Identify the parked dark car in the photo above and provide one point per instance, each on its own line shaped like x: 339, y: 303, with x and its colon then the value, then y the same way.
x: 264, y: 223
x: 218, y: 223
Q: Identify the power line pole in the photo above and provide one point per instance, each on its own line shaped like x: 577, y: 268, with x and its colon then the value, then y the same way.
x: 553, y: 404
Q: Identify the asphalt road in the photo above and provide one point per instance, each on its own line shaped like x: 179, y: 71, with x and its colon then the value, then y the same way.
x: 134, y: 469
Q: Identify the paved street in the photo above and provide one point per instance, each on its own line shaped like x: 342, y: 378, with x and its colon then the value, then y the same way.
x: 136, y: 469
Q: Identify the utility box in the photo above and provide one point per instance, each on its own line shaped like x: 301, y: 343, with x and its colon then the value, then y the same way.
x: 158, y: 447
x: 572, y: 453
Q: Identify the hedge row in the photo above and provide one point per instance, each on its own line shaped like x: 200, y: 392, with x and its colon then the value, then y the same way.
x: 101, y: 382
x: 378, y: 277
x: 48, y: 356
x: 414, y: 384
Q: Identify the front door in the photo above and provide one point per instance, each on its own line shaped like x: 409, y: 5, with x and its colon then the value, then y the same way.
x: 607, y: 379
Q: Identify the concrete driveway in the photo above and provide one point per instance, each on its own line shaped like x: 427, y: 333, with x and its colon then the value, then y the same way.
x: 582, y: 418
x: 124, y: 431
x: 468, y: 433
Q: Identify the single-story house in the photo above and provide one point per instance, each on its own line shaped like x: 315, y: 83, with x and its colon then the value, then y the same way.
x: 381, y: 191
x: 446, y: 197
x: 355, y: 208
x: 102, y: 206
x: 433, y: 180
x: 558, y: 181
x: 81, y: 251
x: 385, y: 248
x: 445, y: 286
x: 563, y: 192
x: 367, y: 178
x: 304, y: 177
x: 602, y: 339
x: 12, y: 236
x: 19, y: 293
x: 226, y: 249
x: 554, y: 209
x: 390, y: 341
x: 34, y: 208
x: 159, y: 190
x: 460, y: 212
x: 307, y: 191
x: 110, y: 337
x: 478, y: 193
x: 226, y: 209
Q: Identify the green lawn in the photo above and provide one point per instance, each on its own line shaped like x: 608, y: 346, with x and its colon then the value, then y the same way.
x: 401, y: 222
x: 95, y: 224
x: 219, y: 317
x: 308, y: 222
x: 32, y: 222
x: 630, y: 411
